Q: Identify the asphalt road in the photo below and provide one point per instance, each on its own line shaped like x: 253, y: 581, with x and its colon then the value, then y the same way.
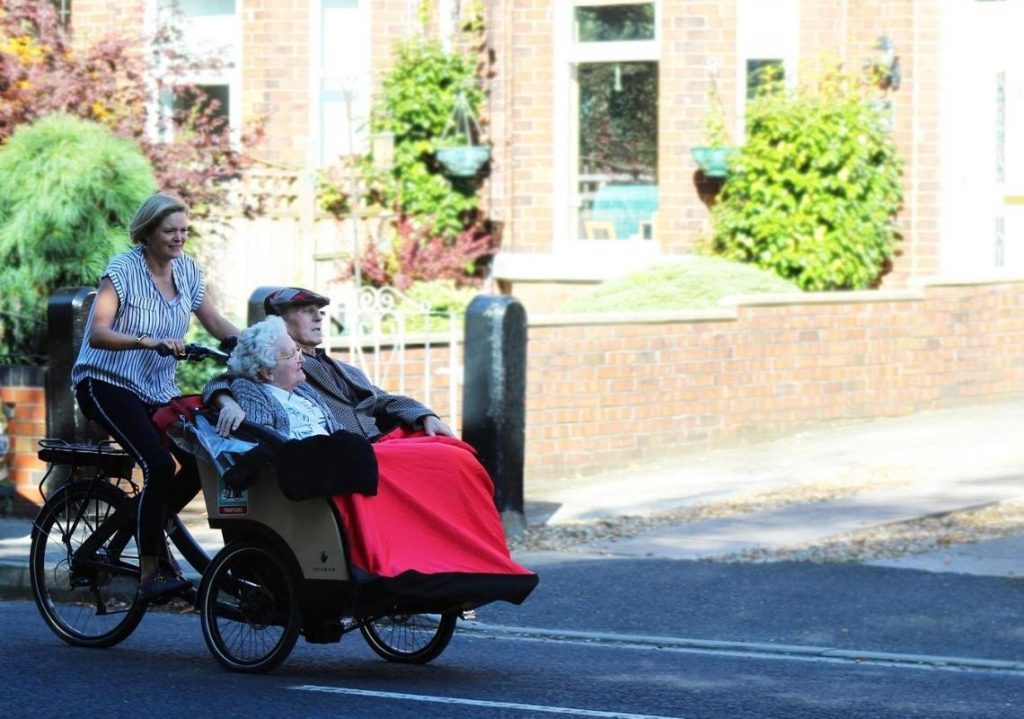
x: 599, y: 638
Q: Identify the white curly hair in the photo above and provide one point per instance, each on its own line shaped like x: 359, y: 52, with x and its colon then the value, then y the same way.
x: 255, y: 350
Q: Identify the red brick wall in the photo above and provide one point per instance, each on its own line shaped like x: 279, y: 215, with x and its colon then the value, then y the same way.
x: 523, y: 37
x: 608, y: 393
x: 27, y: 426
x: 605, y: 393
x: 276, y: 76
x: 94, y: 19
x: 692, y: 32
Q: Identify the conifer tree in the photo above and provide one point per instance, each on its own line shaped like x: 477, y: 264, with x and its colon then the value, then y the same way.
x: 68, y: 189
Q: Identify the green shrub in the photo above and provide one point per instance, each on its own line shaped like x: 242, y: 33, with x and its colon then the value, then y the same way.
x: 815, y: 189
x: 68, y: 190
x: 691, y: 283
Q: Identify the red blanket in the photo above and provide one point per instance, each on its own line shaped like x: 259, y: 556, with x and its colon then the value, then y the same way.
x: 432, y: 531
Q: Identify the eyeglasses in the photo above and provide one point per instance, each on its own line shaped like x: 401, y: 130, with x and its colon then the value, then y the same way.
x: 312, y: 311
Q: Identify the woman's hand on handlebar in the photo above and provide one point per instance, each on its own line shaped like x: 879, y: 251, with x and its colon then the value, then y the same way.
x: 165, y: 346
x: 231, y: 415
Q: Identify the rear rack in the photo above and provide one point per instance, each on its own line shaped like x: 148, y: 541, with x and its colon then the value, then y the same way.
x: 111, y: 460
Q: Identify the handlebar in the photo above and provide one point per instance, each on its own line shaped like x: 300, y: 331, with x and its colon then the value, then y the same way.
x: 198, y: 353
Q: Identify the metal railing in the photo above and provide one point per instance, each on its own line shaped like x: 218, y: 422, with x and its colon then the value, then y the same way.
x: 402, y: 345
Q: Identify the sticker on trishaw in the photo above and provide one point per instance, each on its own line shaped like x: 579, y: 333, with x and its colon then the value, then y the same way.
x: 231, y: 502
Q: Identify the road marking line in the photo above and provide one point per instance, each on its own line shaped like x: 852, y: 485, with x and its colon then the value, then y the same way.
x: 475, y: 702
x: 760, y: 650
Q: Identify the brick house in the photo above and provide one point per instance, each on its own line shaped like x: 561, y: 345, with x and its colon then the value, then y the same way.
x: 572, y: 217
x: 756, y: 368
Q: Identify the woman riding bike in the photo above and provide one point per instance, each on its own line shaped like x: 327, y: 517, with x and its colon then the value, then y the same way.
x: 125, y: 368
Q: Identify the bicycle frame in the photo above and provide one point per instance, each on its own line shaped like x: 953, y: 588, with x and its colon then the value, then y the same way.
x: 115, y: 464
x: 118, y: 527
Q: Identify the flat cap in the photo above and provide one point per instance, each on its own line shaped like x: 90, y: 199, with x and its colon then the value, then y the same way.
x: 280, y: 300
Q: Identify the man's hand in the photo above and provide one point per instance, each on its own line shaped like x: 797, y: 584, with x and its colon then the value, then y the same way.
x: 432, y: 425
x: 231, y: 415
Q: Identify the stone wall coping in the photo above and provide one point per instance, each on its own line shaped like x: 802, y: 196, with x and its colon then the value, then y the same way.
x: 822, y: 298
x: 968, y: 280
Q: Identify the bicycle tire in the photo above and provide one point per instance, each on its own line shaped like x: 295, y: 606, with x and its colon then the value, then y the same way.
x: 85, y: 603
x: 409, y: 638
x: 249, y: 608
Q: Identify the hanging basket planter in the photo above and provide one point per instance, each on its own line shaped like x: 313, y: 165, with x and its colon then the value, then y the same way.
x: 464, y: 161
x: 713, y: 161
x: 456, y: 152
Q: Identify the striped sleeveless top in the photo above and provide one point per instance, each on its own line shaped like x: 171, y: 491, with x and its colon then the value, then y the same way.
x: 142, y: 309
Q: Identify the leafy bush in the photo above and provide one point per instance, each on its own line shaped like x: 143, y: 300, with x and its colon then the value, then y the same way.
x: 416, y: 255
x: 691, y: 283
x: 815, y: 189
x: 68, y: 190
x: 441, y: 297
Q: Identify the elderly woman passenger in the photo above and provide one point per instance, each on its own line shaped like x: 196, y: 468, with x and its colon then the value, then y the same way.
x: 270, y: 383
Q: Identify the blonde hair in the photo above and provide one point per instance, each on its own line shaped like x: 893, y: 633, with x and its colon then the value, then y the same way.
x: 151, y: 213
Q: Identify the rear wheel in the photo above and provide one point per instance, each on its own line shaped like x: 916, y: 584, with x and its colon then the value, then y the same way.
x: 249, y: 608
x: 409, y: 638
x: 88, y: 601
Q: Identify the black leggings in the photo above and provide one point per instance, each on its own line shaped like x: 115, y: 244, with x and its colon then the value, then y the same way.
x: 122, y: 413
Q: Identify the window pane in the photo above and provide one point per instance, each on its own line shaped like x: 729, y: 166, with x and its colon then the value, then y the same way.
x: 618, y: 148
x: 345, y: 82
x: 63, y: 11
x: 189, y: 101
x: 612, y: 23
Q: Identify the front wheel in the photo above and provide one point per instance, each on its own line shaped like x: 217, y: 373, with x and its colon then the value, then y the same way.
x: 88, y: 601
x: 249, y: 608
x: 410, y: 638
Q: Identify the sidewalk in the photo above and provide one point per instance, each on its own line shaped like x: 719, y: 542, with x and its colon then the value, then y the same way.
x: 925, y: 464
x: 917, y: 466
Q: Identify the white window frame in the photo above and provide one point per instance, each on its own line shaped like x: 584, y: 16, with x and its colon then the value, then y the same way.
x: 360, y: 83
x: 765, y: 31
x: 231, y: 43
x: 568, y: 55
